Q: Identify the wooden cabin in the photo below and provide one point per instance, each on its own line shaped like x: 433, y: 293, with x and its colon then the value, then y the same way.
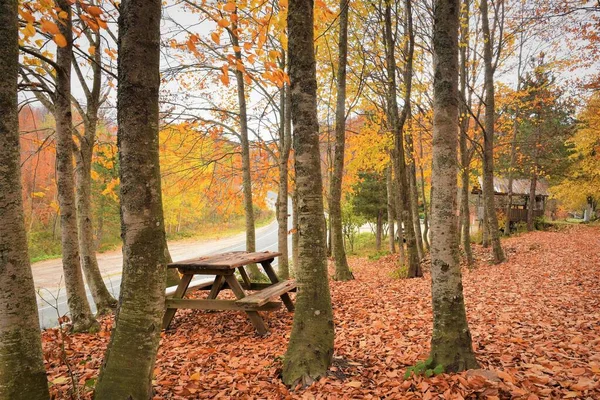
x: 520, y: 199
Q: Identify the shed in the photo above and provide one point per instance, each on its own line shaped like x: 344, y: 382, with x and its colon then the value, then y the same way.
x: 520, y: 198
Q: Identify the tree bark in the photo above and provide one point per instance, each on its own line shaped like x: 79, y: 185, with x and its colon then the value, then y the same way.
x: 488, y: 138
x: 451, y: 340
x: 465, y: 216
x: 390, y: 210
x: 138, y: 321
x: 253, y: 270
x: 414, y: 195
x: 79, y: 307
x: 285, y: 142
x: 397, y: 124
x: 22, y: 373
x: 425, y: 207
x: 83, y: 191
x: 310, y: 348
x: 342, y: 270
x: 295, y: 236
x: 379, y: 230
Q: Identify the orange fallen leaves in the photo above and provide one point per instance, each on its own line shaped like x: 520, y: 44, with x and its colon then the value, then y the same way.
x: 535, y: 322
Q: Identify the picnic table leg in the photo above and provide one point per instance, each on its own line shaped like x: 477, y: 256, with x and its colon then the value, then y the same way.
x: 254, y: 316
x: 216, y: 287
x: 179, y: 293
x: 245, y: 277
x: 274, y: 279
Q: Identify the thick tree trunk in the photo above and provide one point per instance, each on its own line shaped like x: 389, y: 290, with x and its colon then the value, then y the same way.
x: 531, y: 208
x: 79, y: 307
x: 253, y: 270
x: 22, y: 373
x: 342, y: 270
x: 295, y: 236
x: 310, y: 348
x: 397, y: 124
x: 136, y: 335
x: 451, y: 341
x: 285, y: 142
x: 488, y: 138
x: 465, y: 217
x: 390, y: 209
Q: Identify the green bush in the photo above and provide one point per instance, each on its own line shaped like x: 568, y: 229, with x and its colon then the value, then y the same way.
x: 43, y: 245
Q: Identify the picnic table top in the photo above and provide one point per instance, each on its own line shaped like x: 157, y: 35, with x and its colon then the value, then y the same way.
x: 225, y: 261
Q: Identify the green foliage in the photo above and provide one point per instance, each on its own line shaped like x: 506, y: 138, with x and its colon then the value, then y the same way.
x: 370, y: 195
x: 425, y: 368
x: 351, y: 222
x: 44, y: 245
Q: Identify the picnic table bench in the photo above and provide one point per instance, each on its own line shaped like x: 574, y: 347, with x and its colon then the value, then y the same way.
x: 223, y: 267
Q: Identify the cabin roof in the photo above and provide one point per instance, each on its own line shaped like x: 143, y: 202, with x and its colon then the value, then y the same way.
x: 520, y: 186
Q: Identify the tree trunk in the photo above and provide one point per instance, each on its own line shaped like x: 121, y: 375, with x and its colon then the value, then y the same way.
x: 425, y: 207
x: 253, y: 270
x: 22, y: 373
x: 141, y: 304
x: 465, y: 216
x: 390, y: 209
x: 285, y: 141
x: 310, y: 348
x: 488, y: 138
x: 295, y: 236
x: 397, y: 124
x: 530, y: 218
x: 414, y: 196
x: 342, y: 270
x: 378, y: 230
x: 79, y: 307
x: 451, y: 340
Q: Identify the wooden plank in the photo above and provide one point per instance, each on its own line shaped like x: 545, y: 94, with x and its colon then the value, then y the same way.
x: 254, y: 316
x: 245, y: 276
x: 224, y: 305
x: 285, y: 297
x: 179, y: 292
x: 216, y: 287
x: 263, y: 296
x: 192, y: 286
x: 205, y: 271
x: 225, y: 261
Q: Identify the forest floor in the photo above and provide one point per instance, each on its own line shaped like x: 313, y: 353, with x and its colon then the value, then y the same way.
x: 535, y: 322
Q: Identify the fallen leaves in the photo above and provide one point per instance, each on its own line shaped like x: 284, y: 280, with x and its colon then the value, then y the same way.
x: 535, y: 322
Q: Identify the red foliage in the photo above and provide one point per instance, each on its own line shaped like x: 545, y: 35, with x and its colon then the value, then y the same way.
x: 534, y: 320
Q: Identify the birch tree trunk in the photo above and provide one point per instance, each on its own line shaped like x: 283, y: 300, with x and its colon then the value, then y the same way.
x: 81, y: 314
x: 22, y: 373
x: 310, y: 348
x: 451, y: 341
x: 342, y: 271
x: 488, y: 138
x: 136, y: 335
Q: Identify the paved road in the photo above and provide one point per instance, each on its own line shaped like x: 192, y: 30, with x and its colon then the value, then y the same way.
x: 48, y: 280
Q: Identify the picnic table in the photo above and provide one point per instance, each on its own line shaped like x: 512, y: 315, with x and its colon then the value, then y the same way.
x: 223, y: 267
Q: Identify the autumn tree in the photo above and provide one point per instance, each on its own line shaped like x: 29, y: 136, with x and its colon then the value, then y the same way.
x: 136, y: 334
x: 451, y: 340
x: 310, y: 348
x: 488, y: 136
x: 22, y: 373
x: 342, y: 271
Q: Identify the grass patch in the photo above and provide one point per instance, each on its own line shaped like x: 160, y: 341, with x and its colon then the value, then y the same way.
x: 365, y: 246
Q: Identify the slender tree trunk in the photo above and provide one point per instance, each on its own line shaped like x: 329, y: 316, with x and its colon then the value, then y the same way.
x: 245, y: 147
x: 530, y: 217
x: 285, y: 141
x: 79, y: 307
x: 342, y: 271
x: 310, y: 348
x: 451, y: 340
x: 485, y: 231
x: 379, y: 230
x: 465, y: 216
x: 390, y: 209
x: 136, y: 335
x: 22, y: 373
x: 295, y: 236
x: 413, y: 193
x: 488, y: 138
x: 425, y: 207
x: 397, y: 123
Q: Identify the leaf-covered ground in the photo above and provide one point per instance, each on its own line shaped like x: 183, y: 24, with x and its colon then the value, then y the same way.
x: 535, y: 322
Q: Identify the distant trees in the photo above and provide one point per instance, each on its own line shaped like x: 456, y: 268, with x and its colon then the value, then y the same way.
x: 22, y: 374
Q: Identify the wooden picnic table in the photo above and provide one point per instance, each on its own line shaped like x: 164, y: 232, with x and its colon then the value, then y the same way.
x: 223, y: 267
